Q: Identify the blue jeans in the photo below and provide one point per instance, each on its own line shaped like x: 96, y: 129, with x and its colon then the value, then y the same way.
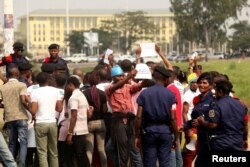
x: 6, y: 157
x: 18, y: 132
x: 176, y: 156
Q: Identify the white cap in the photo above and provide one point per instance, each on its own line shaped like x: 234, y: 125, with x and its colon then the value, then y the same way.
x: 143, y: 72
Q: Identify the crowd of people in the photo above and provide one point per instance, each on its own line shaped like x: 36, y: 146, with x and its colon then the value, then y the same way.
x: 119, y: 114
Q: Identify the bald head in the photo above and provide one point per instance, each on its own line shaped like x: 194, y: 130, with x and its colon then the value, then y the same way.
x: 78, y: 71
x: 13, y: 72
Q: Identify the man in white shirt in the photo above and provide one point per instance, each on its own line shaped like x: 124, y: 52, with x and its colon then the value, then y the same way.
x: 46, y: 100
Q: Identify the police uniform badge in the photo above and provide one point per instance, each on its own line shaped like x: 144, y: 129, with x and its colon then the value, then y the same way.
x: 211, y: 113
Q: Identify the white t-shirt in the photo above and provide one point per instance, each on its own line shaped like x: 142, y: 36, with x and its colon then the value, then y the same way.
x: 103, y: 86
x: 188, y: 97
x: 60, y: 116
x: 78, y: 102
x: 46, y: 97
x: 31, y: 131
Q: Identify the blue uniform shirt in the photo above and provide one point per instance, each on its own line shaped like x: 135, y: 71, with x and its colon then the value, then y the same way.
x: 12, y: 60
x: 157, y: 102
x: 205, y: 106
x: 59, y: 61
x: 230, y: 129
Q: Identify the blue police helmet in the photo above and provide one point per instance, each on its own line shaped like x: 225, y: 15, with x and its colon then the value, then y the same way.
x: 116, y: 70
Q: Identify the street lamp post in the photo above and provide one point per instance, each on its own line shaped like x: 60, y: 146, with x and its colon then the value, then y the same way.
x: 8, y: 31
x: 27, y: 25
x: 67, y: 26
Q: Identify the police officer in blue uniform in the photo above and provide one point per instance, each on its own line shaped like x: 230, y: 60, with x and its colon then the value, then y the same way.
x: 54, y: 58
x: 155, y: 121
x: 228, y: 124
x: 14, y: 59
x: 203, y: 105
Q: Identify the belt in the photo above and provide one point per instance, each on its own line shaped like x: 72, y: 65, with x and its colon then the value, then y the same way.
x: 121, y: 115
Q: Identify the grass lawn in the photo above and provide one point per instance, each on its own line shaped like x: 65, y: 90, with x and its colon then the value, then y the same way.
x: 237, y: 70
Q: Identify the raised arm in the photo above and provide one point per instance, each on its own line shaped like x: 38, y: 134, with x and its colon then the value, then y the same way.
x: 163, y: 57
x: 138, y: 55
x: 120, y: 83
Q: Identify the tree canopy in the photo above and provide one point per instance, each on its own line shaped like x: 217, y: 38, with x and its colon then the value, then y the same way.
x: 241, y: 36
x: 76, y: 41
x: 203, y: 21
x: 129, y: 27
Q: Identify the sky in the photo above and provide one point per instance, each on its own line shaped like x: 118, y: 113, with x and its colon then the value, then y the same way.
x: 19, y: 6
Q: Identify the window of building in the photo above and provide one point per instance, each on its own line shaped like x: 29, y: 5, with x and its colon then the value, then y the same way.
x: 35, y: 39
x: 43, y: 38
x: 83, y: 22
x: 170, y: 31
x: 58, y: 39
x: 57, y: 32
x: 52, y: 38
x: 88, y: 22
x: 77, y: 22
x: 94, y: 21
x: 170, y: 22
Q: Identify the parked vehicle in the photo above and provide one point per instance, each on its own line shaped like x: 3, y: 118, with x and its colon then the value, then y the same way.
x: 216, y: 56
x: 119, y: 58
x: 172, y: 57
x: 93, y: 59
x: 155, y: 59
x: 76, y: 58
x: 181, y: 58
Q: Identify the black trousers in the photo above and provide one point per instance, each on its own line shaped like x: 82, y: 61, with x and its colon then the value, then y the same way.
x: 65, y: 154
x: 122, y: 136
x: 79, y: 146
x: 32, y: 157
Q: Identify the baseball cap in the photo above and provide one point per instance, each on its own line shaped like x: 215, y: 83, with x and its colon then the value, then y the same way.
x: 54, y: 46
x: 163, y: 71
x: 116, y: 70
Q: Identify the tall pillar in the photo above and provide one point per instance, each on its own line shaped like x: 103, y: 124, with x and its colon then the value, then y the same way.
x: 8, y: 28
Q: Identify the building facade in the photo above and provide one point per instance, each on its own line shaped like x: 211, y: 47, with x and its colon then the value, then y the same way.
x: 49, y: 26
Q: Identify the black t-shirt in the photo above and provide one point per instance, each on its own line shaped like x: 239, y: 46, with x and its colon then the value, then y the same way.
x: 97, y: 114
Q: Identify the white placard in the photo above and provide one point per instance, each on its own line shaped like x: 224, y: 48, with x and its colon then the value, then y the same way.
x: 148, y: 50
x: 143, y: 72
x: 107, y: 53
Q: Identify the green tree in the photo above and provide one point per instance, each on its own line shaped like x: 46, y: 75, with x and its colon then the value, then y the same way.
x: 76, y: 41
x: 128, y: 27
x: 203, y: 21
x: 241, y: 36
